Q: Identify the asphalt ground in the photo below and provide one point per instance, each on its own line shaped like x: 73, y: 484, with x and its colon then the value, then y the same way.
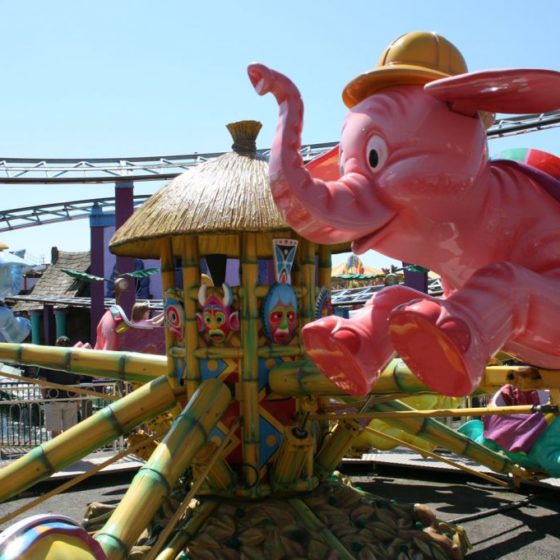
x: 500, y: 523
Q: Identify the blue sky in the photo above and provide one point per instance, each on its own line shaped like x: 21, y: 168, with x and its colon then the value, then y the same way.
x: 138, y: 78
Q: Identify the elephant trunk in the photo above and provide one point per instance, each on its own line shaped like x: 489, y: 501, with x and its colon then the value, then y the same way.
x: 312, y: 207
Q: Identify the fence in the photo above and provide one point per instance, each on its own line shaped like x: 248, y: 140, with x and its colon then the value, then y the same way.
x: 22, y: 417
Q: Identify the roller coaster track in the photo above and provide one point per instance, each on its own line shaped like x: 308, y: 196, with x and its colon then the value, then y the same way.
x: 29, y: 171
x: 31, y: 216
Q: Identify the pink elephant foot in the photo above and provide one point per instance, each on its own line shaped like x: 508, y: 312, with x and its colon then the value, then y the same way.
x: 439, y: 347
x: 341, y: 354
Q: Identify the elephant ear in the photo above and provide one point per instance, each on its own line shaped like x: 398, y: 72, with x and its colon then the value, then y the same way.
x: 499, y: 91
x: 326, y: 166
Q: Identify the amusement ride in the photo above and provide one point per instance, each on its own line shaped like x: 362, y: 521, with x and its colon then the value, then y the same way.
x: 262, y: 390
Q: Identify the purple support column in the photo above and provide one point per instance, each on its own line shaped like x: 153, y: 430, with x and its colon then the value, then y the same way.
x: 98, y: 221
x: 48, y: 322
x: 124, y: 207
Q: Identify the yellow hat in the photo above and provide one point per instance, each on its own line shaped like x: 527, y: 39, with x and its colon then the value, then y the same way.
x: 413, y: 59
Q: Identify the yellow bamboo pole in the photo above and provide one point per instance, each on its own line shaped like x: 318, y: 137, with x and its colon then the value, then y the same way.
x: 291, y: 458
x: 111, y: 422
x: 167, y: 259
x: 76, y: 480
x: 184, y: 505
x: 184, y: 534
x: 156, y: 479
x: 303, y: 378
x: 314, y: 524
x: 124, y: 366
x: 191, y: 282
x: 306, y: 257
x: 213, y: 353
x: 441, y: 435
x: 291, y: 379
x: 335, y: 445
x: 439, y: 413
x: 249, y: 375
x: 427, y: 453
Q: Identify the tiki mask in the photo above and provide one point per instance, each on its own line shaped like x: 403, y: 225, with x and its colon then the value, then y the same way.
x: 217, y: 319
x: 280, y: 314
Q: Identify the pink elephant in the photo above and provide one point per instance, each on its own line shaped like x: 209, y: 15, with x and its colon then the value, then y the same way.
x: 417, y: 185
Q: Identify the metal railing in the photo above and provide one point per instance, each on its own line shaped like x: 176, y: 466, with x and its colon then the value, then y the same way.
x: 22, y: 424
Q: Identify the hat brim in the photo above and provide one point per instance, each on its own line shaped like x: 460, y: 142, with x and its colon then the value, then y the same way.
x: 396, y: 75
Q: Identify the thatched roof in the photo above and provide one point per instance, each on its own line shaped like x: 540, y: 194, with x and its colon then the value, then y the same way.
x: 57, y: 284
x: 226, y: 195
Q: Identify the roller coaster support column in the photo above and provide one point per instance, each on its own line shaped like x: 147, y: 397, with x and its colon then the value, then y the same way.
x: 124, y: 207
x: 98, y: 224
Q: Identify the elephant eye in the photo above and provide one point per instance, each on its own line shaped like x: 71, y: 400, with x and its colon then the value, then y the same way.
x: 376, y: 152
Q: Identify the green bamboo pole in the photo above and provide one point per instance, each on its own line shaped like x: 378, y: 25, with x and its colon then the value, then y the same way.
x: 123, y: 366
x: 441, y: 435
x: 220, y: 478
x: 191, y: 282
x: 185, y: 505
x: 109, y: 423
x: 436, y: 413
x: 156, y: 479
x: 303, y: 378
x: 249, y: 378
x: 215, y: 353
x: 306, y: 252
x: 314, y: 524
x: 335, y: 445
x: 291, y: 458
x: 426, y: 453
x: 185, y: 534
x: 270, y: 351
x: 291, y: 379
x: 167, y: 260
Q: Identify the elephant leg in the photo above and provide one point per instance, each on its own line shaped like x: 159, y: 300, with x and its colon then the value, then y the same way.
x: 447, y: 343
x: 353, y: 352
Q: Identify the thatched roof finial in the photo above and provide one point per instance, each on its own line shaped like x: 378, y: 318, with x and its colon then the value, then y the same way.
x: 244, y: 134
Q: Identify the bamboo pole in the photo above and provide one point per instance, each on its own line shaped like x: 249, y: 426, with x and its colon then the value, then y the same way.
x: 249, y: 375
x: 76, y: 480
x: 439, y: 413
x: 441, y: 435
x: 306, y: 252
x: 156, y: 479
x: 427, y: 453
x: 291, y: 458
x: 122, y: 366
x: 111, y: 422
x: 184, y: 505
x: 184, y: 534
x: 191, y: 282
x: 167, y: 259
x: 314, y: 524
x: 335, y: 445
x: 303, y: 378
